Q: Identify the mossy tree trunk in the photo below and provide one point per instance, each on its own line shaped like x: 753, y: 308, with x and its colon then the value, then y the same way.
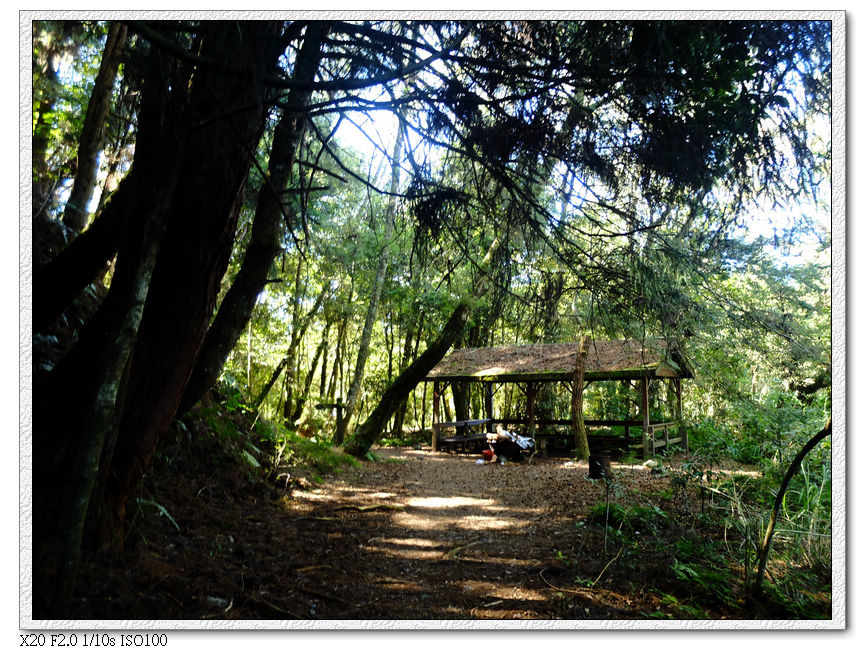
x: 368, y: 433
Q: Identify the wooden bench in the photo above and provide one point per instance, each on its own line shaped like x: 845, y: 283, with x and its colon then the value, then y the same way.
x: 465, y: 441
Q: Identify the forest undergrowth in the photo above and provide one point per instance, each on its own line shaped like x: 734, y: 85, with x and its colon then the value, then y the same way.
x: 239, y: 520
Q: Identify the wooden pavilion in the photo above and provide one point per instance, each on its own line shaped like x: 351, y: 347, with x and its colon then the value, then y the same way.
x: 530, y: 366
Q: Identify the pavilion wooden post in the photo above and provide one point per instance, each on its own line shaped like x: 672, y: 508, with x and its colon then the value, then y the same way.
x: 531, y: 391
x: 627, y: 385
x: 627, y: 444
x: 435, y: 415
x: 682, y: 431
x: 648, y: 439
x: 488, y: 406
x: 578, y: 424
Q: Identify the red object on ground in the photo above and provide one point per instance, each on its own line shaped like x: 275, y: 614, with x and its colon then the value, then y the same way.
x: 487, y: 454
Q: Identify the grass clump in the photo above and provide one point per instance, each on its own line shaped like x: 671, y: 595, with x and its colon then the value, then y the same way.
x: 318, y: 456
x: 635, y: 519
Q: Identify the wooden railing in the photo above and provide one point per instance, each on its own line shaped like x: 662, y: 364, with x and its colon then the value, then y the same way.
x: 654, y: 436
x: 671, y: 433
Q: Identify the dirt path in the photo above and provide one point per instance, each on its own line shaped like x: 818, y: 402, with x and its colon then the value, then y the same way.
x: 425, y: 535
x: 417, y: 535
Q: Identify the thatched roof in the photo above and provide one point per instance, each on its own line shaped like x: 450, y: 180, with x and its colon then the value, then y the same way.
x: 625, y: 359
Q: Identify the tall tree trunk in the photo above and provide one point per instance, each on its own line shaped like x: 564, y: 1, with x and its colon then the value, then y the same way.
x: 378, y: 283
x: 222, y: 120
x: 399, y: 418
x: 73, y: 405
x: 75, y: 214
x: 337, y: 358
x: 299, y: 326
x: 288, y: 392
x: 372, y: 429
x: 307, y: 383
x: 407, y: 353
x: 423, y: 403
x: 98, y: 421
x: 322, y: 387
x: 460, y: 392
x: 119, y: 150
x: 270, y: 382
x: 238, y: 303
x: 389, y: 337
x: 294, y: 341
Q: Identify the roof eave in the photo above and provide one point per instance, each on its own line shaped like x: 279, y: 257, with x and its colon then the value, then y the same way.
x: 591, y: 375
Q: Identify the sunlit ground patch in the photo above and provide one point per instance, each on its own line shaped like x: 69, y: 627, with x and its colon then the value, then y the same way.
x: 449, y: 502
x: 409, y: 549
x: 501, y: 590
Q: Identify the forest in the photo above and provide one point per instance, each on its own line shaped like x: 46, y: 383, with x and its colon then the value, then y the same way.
x: 260, y: 247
